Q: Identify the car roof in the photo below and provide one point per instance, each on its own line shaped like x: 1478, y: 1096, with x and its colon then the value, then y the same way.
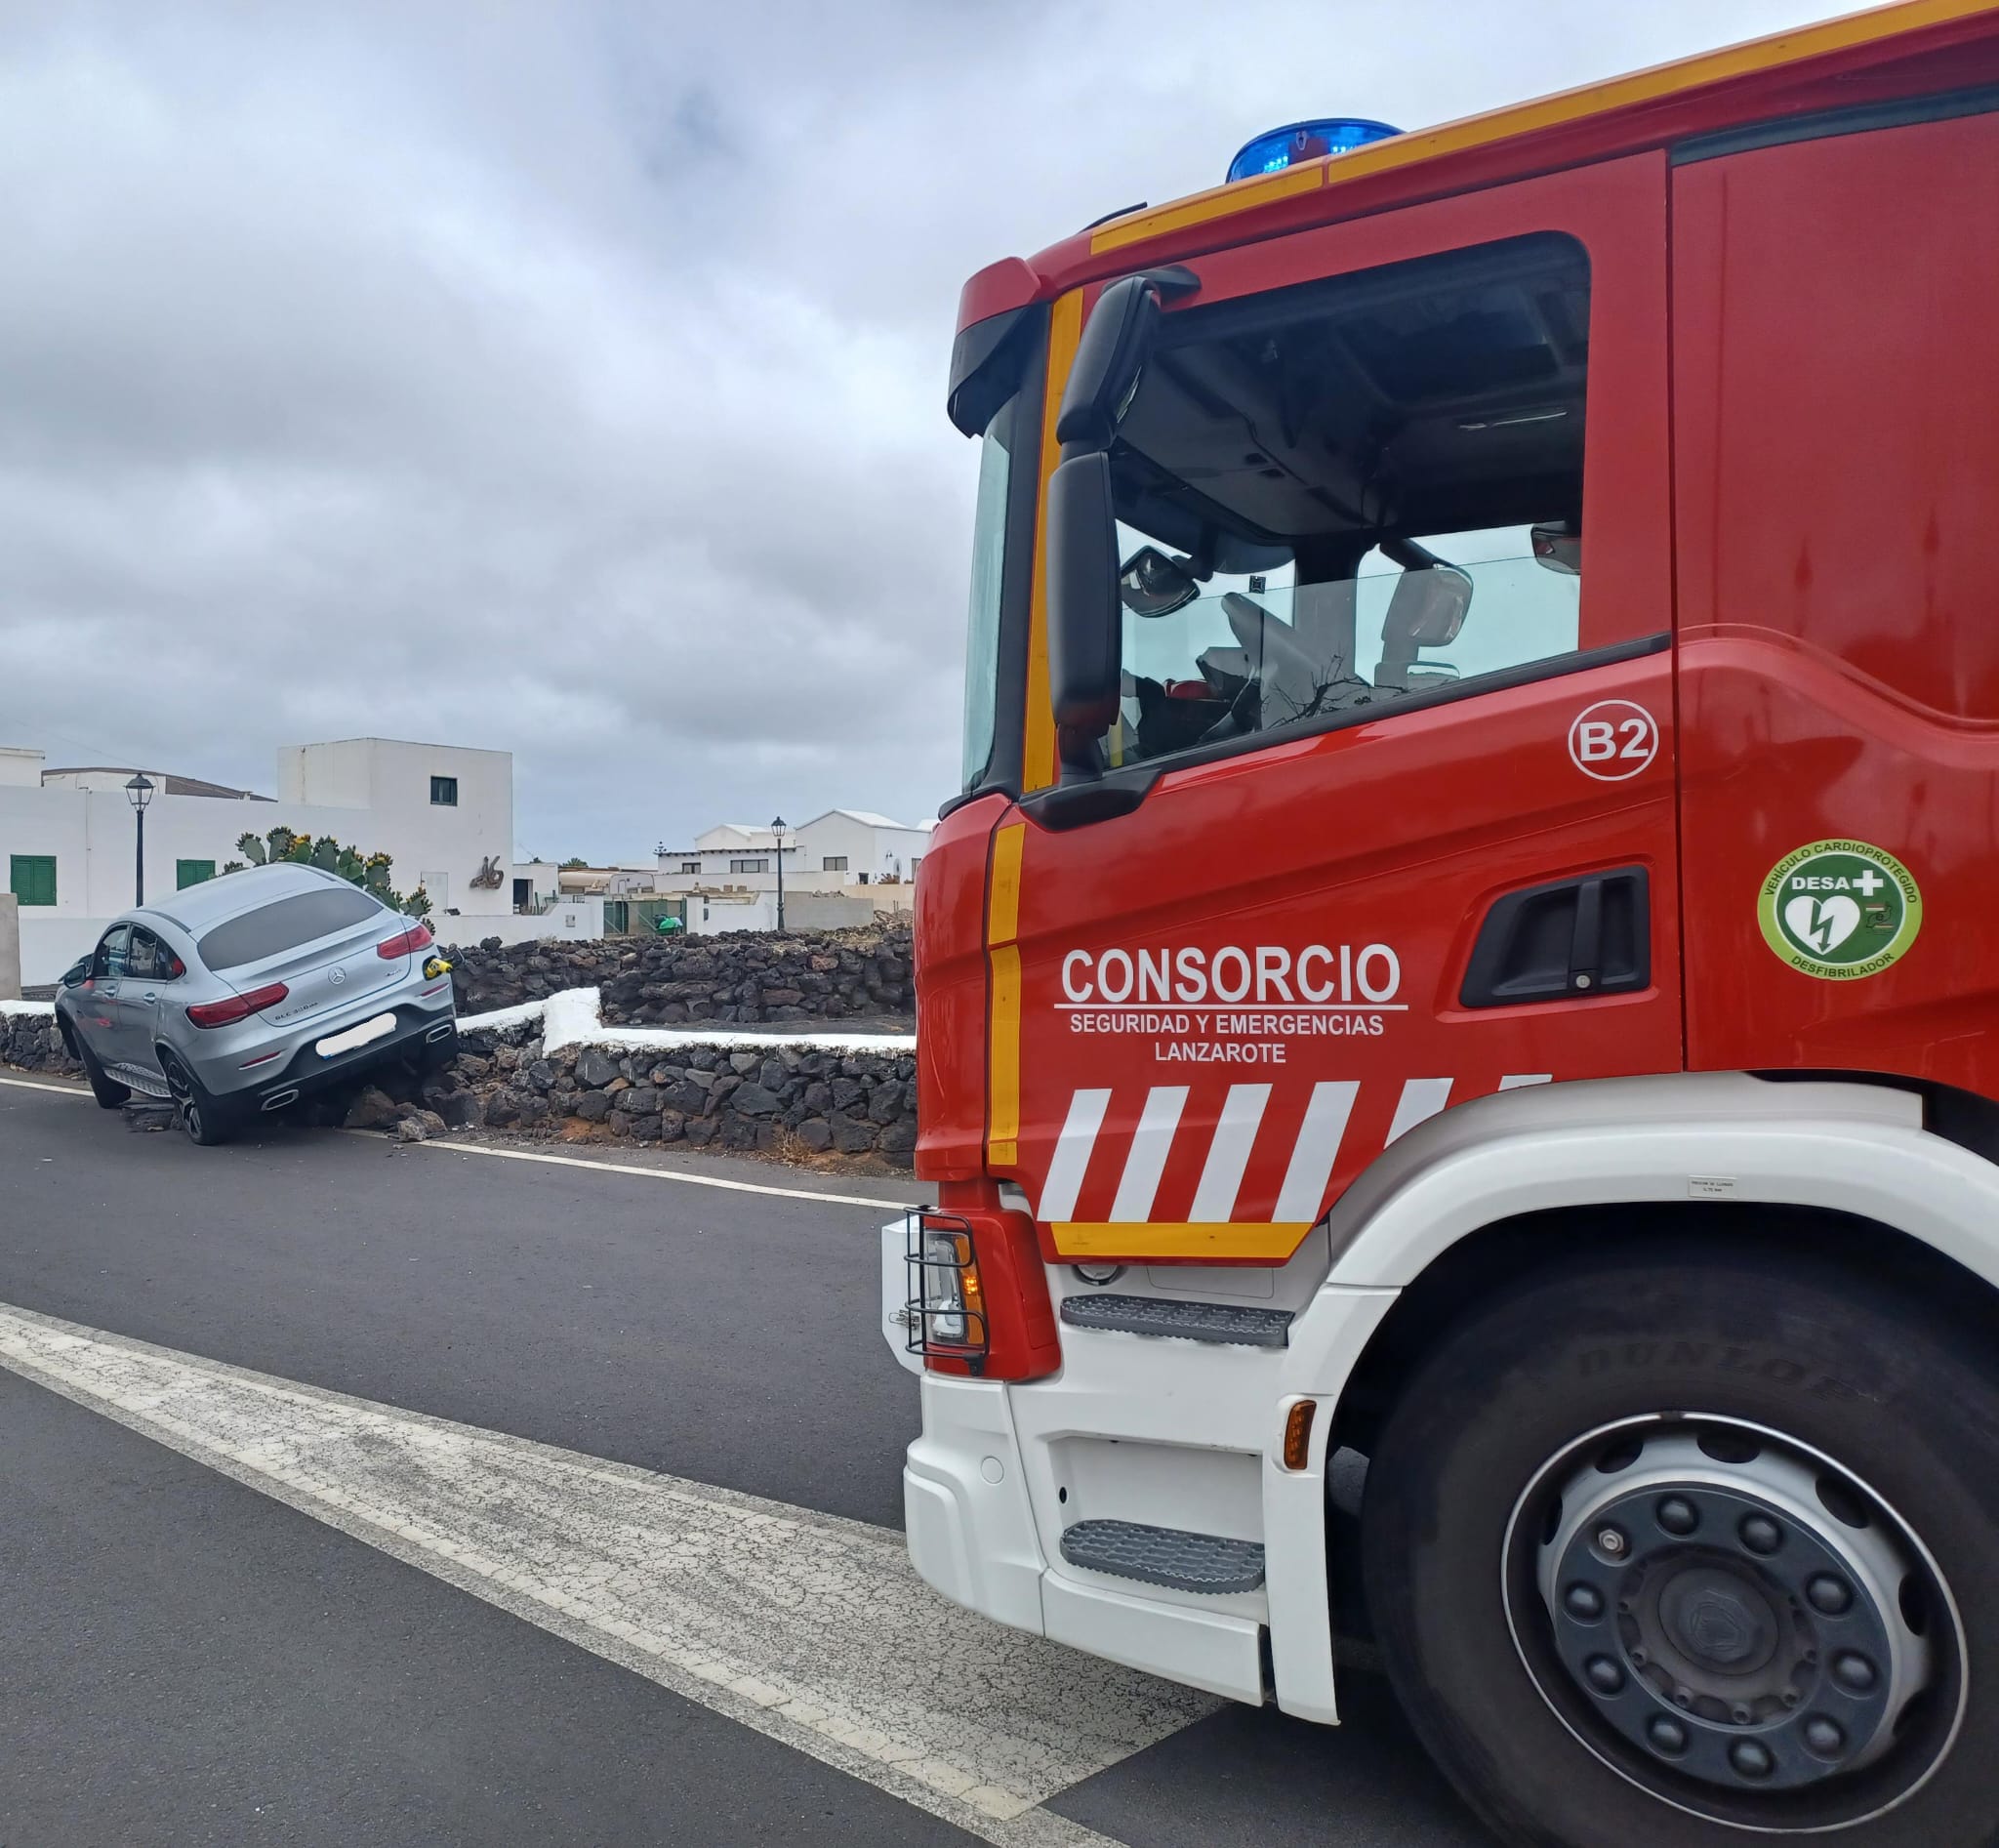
x: 198, y: 907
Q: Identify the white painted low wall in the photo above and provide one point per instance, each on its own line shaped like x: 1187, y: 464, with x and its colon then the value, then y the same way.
x: 573, y: 1017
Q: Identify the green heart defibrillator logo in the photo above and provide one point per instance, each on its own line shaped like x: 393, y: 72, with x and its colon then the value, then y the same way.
x: 1840, y: 910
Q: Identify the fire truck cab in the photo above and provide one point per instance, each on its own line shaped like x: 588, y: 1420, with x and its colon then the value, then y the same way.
x: 1466, y: 945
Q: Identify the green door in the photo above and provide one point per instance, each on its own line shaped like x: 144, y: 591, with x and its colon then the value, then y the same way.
x: 188, y: 873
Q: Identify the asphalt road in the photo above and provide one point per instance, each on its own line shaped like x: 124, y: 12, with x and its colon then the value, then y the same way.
x: 188, y: 1660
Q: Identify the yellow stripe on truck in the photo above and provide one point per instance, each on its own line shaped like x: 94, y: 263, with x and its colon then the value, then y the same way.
x: 1263, y: 1244
x: 1002, y: 925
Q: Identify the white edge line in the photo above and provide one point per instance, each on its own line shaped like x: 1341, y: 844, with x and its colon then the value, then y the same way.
x: 61, y: 1091
x: 1035, y: 1828
x: 662, y: 1173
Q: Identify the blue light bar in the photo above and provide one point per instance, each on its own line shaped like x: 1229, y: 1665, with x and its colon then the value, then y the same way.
x: 1283, y: 148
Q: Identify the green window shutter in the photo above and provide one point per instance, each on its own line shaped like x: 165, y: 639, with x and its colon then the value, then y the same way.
x: 188, y: 873
x: 32, y: 877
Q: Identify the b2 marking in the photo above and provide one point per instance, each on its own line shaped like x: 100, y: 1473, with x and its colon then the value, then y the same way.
x: 1612, y: 740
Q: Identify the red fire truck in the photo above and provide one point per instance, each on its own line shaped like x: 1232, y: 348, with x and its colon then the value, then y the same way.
x: 1468, y: 943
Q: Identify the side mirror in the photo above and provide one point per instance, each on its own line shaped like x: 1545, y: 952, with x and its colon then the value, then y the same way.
x: 1110, y: 359
x: 1559, y: 548
x: 1084, y: 631
x: 1152, y: 583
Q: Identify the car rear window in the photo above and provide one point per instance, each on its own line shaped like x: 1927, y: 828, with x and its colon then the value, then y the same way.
x: 284, y: 925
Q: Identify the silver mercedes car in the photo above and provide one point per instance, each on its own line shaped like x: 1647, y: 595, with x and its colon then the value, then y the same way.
x: 246, y: 993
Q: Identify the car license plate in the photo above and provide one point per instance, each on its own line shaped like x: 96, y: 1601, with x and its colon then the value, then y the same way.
x: 336, y: 1044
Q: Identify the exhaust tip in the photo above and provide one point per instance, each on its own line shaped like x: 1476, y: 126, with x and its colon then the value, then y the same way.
x: 279, y: 1098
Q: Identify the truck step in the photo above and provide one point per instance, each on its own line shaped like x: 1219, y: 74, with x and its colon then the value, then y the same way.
x: 1232, y: 1324
x: 1164, y: 1556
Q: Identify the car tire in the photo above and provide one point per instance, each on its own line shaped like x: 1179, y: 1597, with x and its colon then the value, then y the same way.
x: 207, y: 1122
x: 1735, y: 1370
x: 109, y: 1094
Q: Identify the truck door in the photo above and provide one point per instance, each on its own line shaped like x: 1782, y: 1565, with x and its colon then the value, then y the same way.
x: 1386, y: 821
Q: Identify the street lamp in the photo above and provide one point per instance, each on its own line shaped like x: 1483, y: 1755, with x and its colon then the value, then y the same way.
x: 138, y: 792
x: 777, y: 828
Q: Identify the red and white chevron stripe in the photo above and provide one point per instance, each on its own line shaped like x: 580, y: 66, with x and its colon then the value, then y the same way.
x: 1308, y: 1163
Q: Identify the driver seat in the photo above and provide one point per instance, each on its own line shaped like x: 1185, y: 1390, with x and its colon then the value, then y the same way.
x: 1426, y: 610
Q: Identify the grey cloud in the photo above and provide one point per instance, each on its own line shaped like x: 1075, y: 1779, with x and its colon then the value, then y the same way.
x: 569, y: 379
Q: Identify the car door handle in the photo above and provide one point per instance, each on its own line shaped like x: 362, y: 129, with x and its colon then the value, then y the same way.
x: 148, y: 996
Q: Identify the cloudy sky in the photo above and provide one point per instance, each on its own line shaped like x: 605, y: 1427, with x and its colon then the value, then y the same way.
x: 566, y: 376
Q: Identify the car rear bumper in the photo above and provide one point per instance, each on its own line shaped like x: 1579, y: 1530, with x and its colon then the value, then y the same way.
x: 308, y: 1071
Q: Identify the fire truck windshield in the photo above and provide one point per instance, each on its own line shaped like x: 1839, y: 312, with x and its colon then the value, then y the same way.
x: 1350, y: 472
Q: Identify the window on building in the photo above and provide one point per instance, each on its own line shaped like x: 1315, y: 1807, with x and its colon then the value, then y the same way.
x: 916, y: 860
x: 691, y: 866
x: 758, y: 865
x: 1341, y: 496
x: 188, y: 873
x: 834, y: 863
x: 445, y: 792
x: 32, y: 877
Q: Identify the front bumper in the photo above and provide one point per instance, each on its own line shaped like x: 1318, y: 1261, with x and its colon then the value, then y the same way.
x: 970, y: 1525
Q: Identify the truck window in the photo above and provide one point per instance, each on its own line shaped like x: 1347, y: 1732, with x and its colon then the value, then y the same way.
x: 1368, y: 488
x: 989, y: 574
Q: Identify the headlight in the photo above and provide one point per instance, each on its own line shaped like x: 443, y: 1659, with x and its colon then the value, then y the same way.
x: 944, y: 1255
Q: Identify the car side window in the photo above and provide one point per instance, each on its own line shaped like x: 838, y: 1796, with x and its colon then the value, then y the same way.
x: 149, y: 958
x: 112, y: 958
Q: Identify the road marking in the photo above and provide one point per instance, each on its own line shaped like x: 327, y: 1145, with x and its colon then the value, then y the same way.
x: 664, y: 1174
x: 809, y: 1628
x: 29, y: 1084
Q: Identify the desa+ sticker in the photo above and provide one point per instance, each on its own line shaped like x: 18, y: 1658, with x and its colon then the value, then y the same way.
x: 1840, y: 910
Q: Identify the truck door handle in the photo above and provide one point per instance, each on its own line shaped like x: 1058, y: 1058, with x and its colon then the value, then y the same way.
x: 1571, y: 939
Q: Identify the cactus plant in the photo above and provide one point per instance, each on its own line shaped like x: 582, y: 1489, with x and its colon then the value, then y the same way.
x: 370, y: 872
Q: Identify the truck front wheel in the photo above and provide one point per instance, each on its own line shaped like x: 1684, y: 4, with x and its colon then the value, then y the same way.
x: 1696, y: 1547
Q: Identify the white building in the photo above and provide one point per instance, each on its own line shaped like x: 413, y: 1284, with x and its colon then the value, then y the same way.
x: 443, y: 813
x: 843, y: 848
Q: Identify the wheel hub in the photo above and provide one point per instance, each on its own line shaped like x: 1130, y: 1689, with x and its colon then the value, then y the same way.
x: 1739, y: 1617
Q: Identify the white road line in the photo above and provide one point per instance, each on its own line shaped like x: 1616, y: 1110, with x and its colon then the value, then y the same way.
x: 29, y: 1084
x: 663, y: 1173
x: 811, y: 1630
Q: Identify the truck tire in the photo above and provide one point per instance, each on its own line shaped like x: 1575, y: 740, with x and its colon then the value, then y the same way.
x: 1694, y: 1548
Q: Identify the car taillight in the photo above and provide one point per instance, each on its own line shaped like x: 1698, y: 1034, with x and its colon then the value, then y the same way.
x: 415, y: 937
x: 222, y: 1014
